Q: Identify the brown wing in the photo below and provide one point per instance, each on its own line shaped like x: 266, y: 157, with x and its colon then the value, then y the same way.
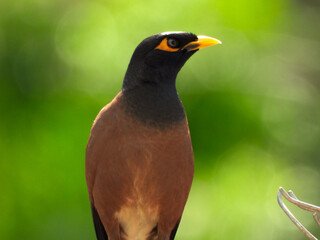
x: 101, y: 153
x: 138, y: 176
x: 98, y: 226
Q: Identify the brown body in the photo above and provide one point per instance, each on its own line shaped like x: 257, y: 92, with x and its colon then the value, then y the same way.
x: 138, y: 176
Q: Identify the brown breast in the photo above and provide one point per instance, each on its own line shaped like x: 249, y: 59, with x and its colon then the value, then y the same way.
x: 138, y: 176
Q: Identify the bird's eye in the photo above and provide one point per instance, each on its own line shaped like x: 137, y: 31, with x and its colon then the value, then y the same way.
x: 168, y: 45
x: 174, y: 43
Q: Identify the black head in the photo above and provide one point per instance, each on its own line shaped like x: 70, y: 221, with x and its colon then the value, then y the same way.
x: 148, y: 89
x: 159, y: 58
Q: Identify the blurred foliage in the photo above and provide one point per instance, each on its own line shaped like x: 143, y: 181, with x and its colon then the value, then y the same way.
x: 252, y: 104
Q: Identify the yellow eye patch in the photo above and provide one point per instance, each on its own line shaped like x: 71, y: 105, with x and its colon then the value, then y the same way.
x: 164, y: 46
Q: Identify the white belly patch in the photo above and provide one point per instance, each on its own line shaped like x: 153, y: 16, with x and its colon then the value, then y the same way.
x: 137, y: 222
x: 138, y: 216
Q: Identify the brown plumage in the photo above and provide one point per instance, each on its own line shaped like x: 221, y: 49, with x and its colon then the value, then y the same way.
x: 139, y: 158
x: 136, y: 170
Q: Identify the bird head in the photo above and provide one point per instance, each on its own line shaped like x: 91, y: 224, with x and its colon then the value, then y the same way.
x: 159, y: 58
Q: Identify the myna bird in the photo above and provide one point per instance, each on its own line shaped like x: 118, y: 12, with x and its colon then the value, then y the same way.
x: 139, y: 157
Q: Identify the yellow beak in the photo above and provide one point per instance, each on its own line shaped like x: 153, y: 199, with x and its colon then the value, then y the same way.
x: 201, y: 42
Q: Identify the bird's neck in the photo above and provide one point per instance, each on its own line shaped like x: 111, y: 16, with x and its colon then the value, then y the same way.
x: 154, y: 103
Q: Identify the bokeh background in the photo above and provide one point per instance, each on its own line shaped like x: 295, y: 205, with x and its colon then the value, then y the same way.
x: 252, y: 103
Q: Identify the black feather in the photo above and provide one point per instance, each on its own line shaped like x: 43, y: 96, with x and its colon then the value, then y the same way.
x: 98, y: 226
x: 174, y: 231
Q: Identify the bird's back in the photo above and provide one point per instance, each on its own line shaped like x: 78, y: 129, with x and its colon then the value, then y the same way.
x: 138, y: 175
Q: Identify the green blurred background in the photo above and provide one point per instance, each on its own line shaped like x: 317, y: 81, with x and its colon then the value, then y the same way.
x: 252, y: 103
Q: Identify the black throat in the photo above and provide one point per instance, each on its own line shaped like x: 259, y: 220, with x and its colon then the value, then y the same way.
x: 155, y: 104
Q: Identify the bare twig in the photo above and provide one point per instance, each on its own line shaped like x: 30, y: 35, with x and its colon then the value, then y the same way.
x: 316, y: 218
x: 293, y: 199
x: 303, y: 205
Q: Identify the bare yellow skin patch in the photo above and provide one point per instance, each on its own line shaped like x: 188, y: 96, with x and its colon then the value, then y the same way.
x: 164, y: 46
x: 201, y: 42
